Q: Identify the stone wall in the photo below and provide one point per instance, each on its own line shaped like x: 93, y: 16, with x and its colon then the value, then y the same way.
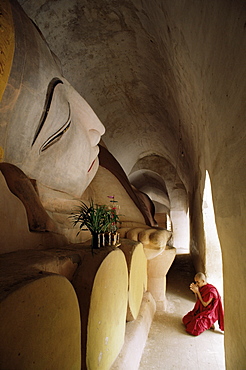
x: 172, y: 73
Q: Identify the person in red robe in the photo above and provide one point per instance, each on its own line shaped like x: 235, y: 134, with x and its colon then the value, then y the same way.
x: 208, y: 307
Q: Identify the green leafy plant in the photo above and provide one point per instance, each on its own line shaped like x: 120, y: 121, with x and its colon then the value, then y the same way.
x: 96, y: 218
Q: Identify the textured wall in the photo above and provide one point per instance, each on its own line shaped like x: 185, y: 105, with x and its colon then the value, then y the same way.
x: 168, y: 79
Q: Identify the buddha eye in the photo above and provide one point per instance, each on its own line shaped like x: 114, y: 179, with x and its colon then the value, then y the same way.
x: 57, y: 135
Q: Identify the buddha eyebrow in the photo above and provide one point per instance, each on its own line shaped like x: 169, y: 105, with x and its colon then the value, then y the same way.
x: 49, y: 94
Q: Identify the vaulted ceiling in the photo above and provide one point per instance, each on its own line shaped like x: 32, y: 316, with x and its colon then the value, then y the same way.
x: 158, y: 75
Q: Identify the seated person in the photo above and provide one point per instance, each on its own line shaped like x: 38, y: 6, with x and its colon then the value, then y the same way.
x: 208, y: 307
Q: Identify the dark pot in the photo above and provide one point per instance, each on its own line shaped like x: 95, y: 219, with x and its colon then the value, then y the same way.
x: 98, y: 240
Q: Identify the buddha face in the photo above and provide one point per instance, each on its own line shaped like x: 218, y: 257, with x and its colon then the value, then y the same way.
x: 47, y: 129
x: 64, y: 150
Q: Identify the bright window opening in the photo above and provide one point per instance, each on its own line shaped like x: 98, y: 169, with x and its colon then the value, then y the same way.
x: 213, y: 257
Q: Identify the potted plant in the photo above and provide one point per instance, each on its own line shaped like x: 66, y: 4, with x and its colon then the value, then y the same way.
x: 96, y: 218
x: 114, y: 236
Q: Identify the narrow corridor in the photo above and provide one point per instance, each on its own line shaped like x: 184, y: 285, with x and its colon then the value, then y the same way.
x: 168, y: 345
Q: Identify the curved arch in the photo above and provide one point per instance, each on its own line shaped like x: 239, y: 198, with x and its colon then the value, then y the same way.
x: 158, y: 177
x: 152, y: 184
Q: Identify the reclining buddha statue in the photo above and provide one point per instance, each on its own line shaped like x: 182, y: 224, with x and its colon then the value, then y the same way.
x: 50, y: 133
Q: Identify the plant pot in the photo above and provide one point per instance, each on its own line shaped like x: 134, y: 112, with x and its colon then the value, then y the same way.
x: 108, y: 237
x: 98, y: 240
x: 115, y: 238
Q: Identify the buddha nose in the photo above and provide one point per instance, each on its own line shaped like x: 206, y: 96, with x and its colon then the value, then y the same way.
x: 95, y: 135
x: 92, y: 124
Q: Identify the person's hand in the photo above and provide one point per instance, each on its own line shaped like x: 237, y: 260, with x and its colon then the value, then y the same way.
x: 194, y: 288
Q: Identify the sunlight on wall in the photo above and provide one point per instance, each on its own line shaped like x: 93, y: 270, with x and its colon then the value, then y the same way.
x: 213, y: 257
x: 169, y: 223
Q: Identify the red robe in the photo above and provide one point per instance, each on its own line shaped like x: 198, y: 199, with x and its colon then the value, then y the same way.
x: 202, y: 318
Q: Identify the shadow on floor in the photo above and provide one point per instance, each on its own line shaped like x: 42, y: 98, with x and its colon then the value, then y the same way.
x: 168, y: 345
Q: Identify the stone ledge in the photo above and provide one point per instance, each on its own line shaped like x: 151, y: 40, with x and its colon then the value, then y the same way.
x: 136, y: 336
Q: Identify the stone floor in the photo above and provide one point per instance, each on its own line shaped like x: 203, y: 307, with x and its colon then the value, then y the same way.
x: 168, y: 345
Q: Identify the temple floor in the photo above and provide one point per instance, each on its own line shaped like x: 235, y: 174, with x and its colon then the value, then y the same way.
x: 168, y: 345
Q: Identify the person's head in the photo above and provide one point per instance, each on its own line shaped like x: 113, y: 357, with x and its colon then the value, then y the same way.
x: 200, y: 279
x: 46, y: 128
